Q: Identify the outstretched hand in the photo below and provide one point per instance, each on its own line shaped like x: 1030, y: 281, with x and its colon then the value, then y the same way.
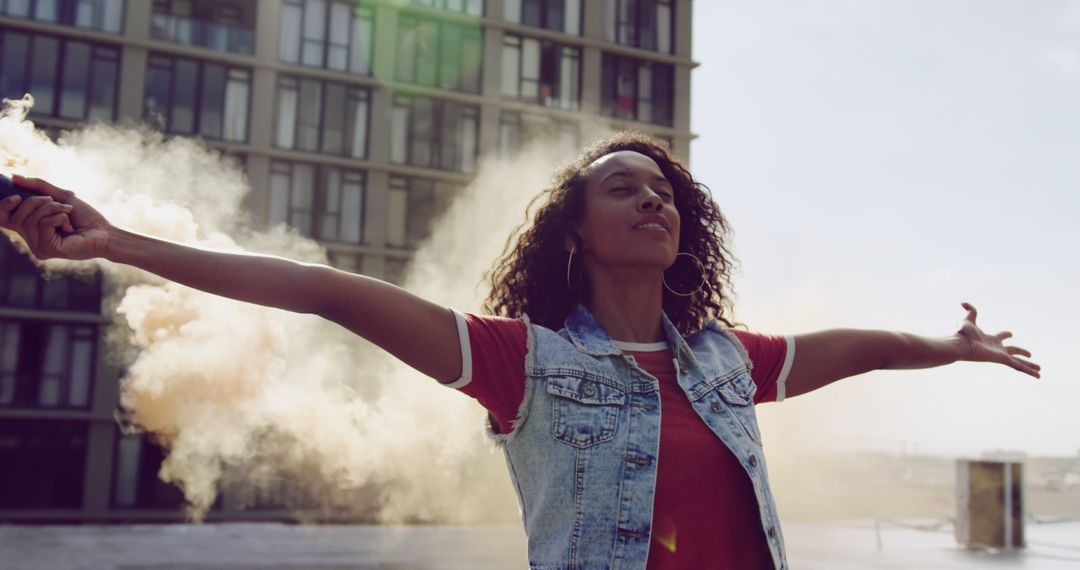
x: 991, y: 348
x: 55, y: 223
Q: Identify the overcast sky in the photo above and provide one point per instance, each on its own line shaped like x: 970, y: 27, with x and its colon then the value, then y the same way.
x: 882, y: 161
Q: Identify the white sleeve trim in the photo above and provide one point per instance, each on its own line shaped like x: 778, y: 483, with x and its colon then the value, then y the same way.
x: 789, y: 357
x: 466, y: 353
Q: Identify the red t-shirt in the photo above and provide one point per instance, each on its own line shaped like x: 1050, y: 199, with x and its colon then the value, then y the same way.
x: 705, y: 513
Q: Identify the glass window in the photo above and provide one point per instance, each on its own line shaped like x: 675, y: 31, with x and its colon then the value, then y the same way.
x: 396, y: 198
x: 664, y: 26
x: 326, y: 203
x: 337, y: 51
x: 647, y: 24
x: 541, y: 72
x: 426, y: 48
x: 45, y: 63
x: 352, y: 208
x: 360, y: 43
x: 314, y: 39
x: 471, y: 7
x: 44, y: 463
x: 187, y: 96
x: 356, y: 121
x: 322, y: 117
x: 512, y: 11
x: 135, y: 474
x: 286, y: 115
x: 413, y: 204
x: 572, y: 24
x: 509, y: 134
x: 237, y: 95
x: 530, y: 69
x: 637, y: 89
x: 292, y: 15
x: 310, y: 113
x: 16, y: 8
x: 212, y: 104
x: 39, y: 364
x: 516, y: 130
x: 14, y: 47
x: 104, y: 74
x: 219, y: 26
x: 422, y: 124
x: 433, y: 133
x: 333, y: 135
x: 103, y: 15
x: 183, y: 111
x: 336, y: 34
x: 511, y: 66
x: 434, y: 53
x: 399, y: 130
x: 22, y: 285
x: 74, y: 88
x: 556, y: 15
x: 158, y: 98
x: 9, y: 359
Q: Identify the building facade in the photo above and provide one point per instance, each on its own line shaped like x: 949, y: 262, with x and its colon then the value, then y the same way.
x: 354, y: 121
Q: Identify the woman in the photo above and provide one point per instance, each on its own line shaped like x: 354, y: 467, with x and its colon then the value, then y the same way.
x: 630, y: 433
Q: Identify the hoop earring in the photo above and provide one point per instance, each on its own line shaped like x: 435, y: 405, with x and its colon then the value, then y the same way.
x: 701, y: 269
x: 569, y: 262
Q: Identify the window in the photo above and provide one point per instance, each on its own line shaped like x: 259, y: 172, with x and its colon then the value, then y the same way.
x: 325, y: 203
x: 103, y: 15
x: 636, y: 89
x: 45, y: 364
x: 433, y: 133
x: 44, y: 463
x: 541, y: 71
x: 327, y: 33
x: 471, y: 7
x: 135, y: 474
x: 68, y: 78
x: 558, y: 15
x: 217, y: 25
x: 321, y: 116
x: 439, y: 54
x: 516, y: 130
x: 413, y: 204
x: 191, y: 97
x: 21, y: 285
x: 647, y: 24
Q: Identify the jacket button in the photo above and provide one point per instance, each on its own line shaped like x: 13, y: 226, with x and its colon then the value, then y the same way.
x: 589, y: 390
x: 772, y: 532
x: 753, y: 461
x: 717, y: 408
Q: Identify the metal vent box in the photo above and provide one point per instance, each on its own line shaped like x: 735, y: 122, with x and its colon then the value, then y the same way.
x: 990, y: 504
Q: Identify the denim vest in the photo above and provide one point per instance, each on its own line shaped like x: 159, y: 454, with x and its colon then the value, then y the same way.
x: 583, y: 449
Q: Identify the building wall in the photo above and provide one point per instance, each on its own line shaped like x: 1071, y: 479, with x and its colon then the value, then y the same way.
x: 92, y: 443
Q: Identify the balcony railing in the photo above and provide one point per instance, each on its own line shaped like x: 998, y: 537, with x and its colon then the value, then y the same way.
x: 202, y: 33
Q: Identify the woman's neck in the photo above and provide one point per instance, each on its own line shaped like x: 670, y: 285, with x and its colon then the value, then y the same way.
x: 628, y: 307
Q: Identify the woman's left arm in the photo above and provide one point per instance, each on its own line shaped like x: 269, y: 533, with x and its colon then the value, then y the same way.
x: 822, y: 358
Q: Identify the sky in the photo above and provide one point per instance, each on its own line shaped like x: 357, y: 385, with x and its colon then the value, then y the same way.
x: 881, y: 162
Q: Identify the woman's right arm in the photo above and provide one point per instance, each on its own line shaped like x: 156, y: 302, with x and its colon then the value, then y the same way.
x: 420, y: 333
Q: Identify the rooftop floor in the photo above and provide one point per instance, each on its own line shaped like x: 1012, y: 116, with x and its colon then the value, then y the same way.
x: 833, y: 546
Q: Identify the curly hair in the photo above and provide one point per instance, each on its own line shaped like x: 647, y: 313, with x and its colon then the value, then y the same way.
x: 530, y: 275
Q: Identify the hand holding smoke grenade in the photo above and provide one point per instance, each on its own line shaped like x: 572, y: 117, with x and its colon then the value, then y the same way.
x: 8, y: 188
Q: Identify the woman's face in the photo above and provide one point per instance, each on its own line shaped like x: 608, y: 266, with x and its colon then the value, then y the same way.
x: 630, y: 217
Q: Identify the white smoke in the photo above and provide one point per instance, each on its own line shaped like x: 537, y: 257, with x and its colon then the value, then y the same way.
x: 251, y: 398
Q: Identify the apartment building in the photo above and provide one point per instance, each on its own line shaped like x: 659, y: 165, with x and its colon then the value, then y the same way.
x: 354, y: 121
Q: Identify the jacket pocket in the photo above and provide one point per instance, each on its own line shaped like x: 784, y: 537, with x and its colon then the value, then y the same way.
x: 583, y: 412
x: 736, y: 396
